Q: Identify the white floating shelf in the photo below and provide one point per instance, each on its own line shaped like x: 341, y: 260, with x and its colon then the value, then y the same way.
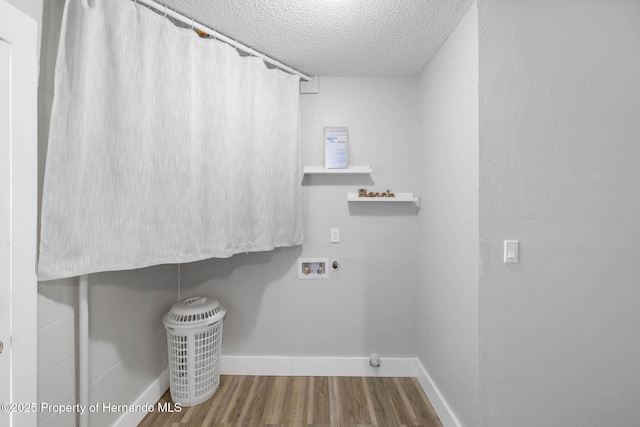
x: 399, y: 197
x: 349, y: 170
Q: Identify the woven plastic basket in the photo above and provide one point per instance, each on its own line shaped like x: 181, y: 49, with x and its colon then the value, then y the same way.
x: 194, y: 340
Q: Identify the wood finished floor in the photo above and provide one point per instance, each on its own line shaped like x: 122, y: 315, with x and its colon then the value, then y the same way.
x: 305, y: 401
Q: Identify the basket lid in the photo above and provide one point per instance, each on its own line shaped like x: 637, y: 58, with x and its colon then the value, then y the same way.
x: 194, y: 311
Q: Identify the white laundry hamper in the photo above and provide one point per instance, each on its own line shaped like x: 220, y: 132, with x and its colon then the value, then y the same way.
x: 194, y: 340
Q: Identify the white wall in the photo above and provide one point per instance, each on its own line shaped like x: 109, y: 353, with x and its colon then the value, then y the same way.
x: 448, y: 221
x: 369, y: 304
x: 127, y: 338
x: 33, y: 8
x: 559, y: 156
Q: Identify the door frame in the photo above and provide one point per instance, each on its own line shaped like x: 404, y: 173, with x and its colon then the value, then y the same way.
x: 21, y: 32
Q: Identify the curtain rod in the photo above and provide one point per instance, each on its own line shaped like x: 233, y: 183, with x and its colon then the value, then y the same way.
x: 163, y: 9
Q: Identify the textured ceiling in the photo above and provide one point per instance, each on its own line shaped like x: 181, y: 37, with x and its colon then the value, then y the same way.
x: 335, y: 37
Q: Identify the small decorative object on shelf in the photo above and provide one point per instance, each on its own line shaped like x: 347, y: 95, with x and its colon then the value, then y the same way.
x: 363, y: 193
x: 388, y: 196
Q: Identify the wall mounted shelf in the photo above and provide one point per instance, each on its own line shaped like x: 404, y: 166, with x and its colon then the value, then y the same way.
x: 308, y: 170
x: 399, y: 197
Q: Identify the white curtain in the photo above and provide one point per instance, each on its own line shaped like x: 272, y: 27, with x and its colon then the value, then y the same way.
x: 163, y: 147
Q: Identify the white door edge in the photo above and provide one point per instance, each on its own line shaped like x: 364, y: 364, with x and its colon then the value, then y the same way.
x: 19, y: 33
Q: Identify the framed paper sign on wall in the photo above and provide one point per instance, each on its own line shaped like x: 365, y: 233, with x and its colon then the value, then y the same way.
x: 336, y: 153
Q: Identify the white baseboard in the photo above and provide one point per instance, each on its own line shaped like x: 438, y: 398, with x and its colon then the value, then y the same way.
x: 312, y: 367
x: 151, y: 395
x: 439, y: 403
x: 316, y: 366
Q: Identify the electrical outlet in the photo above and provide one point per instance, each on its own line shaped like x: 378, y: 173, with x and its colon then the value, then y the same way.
x: 335, y: 235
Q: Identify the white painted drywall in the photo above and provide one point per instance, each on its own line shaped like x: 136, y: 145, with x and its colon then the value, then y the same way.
x: 559, y: 156
x: 369, y: 305
x: 127, y: 337
x: 448, y: 221
x: 33, y: 8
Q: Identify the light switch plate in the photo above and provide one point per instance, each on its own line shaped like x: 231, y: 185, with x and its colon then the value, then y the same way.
x: 510, y: 251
